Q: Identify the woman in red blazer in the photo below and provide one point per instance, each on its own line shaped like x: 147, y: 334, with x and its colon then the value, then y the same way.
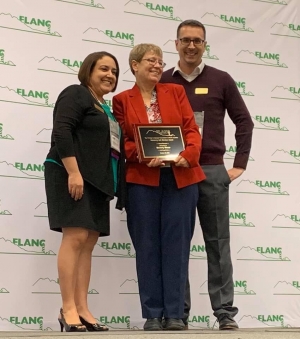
x: 161, y: 197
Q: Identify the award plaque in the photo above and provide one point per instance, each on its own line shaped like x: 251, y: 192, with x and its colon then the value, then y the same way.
x: 158, y: 141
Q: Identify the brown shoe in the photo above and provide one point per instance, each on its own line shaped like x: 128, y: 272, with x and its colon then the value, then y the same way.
x: 226, y: 322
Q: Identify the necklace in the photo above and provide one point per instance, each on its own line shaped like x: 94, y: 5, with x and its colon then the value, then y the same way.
x: 95, y: 97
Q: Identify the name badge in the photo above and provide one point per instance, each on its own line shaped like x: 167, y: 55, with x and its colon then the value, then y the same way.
x: 201, y: 90
x: 114, y: 135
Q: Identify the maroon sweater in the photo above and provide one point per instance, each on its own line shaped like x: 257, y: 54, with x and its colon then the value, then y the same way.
x: 222, y: 95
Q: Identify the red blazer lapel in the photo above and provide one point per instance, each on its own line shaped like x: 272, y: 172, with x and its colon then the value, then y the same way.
x: 137, y: 104
x: 165, y: 103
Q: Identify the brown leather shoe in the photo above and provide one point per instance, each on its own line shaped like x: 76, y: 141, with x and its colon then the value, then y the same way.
x: 226, y: 322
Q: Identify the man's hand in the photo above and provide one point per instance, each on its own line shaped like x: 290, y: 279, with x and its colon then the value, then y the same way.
x: 181, y: 161
x: 235, y: 172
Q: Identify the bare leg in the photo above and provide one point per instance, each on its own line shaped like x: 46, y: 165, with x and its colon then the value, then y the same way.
x: 71, y: 247
x: 83, y: 277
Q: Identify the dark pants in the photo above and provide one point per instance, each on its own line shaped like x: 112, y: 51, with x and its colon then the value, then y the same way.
x: 161, y: 223
x: 213, y: 211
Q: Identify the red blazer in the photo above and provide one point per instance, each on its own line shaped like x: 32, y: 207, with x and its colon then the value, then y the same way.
x: 129, y: 109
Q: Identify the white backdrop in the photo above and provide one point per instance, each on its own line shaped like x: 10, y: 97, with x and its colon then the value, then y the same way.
x: 41, y: 46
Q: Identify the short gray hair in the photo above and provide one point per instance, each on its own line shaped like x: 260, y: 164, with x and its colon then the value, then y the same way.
x: 138, y: 52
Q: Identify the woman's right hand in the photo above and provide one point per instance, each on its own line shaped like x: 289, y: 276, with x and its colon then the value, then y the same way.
x: 75, y: 185
x: 155, y: 163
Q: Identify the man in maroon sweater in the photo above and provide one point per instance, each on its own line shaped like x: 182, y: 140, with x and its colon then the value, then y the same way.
x: 211, y: 92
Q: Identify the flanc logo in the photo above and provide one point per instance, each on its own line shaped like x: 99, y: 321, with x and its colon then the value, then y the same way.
x: 198, y: 252
x: 41, y: 210
x: 270, y: 123
x: 89, y: 3
x: 274, y: 2
x: 286, y: 221
x: 260, y: 58
x: 50, y: 286
x: 240, y: 288
x: 113, y: 250
x: 231, y: 152
x: 44, y: 136
x: 4, y: 212
x: 290, y: 30
x: 2, y: 136
x: 261, y: 254
x: 129, y: 286
x: 117, y: 322
x: 21, y: 170
x: 226, y: 21
x: 150, y: 9
x: 65, y: 65
x: 199, y: 321
x: 287, y: 288
x: 261, y: 187
x: 109, y: 37
x: 238, y: 219
x: 24, y: 246
x: 241, y: 85
x: 286, y: 157
x: 169, y: 47
x: 266, y: 320
x: 286, y: 93
x: 25, y: 96
x: 27, y: 24
x: 2, y: 59
x: 32, y: 323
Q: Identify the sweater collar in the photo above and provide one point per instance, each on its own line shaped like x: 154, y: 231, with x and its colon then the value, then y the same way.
x: 198, y: 70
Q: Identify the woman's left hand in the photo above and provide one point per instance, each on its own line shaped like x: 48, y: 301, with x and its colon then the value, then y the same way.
x: 181, y: 161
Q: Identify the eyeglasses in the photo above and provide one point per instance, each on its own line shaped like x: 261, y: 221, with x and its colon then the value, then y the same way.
x: 196, y: 42
x: 153, y: 62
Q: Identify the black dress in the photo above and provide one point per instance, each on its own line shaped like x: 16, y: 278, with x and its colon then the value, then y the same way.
x: 80, y: 129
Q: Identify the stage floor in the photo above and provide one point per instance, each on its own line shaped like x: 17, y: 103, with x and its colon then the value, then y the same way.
x: 264, y: 333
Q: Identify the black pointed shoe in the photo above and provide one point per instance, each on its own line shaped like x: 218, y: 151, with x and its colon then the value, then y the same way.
x: 93, y: 327
x: 226, y: 322
x: 153, y: 324
x: 69, y: 327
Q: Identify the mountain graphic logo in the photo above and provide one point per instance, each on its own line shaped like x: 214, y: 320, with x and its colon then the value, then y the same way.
x: 4, y: 290
x: 9, y: 21
x: 231, y: 156
x: 117, y: 250
x: 198, y: 252
x: 2, y: 59
x: 284, y: 221
x: 260, y: 59
x: 117, y: 322
x: 11, y: 171
x: 281, y: 29
x: 4, y: 212
x: 197, y: 322
x: 41, y: 210
x: 242, y: 89
x: 129, y: 77
x: 10, y: 95
x: 285, y: 157
x: 287, y: 288
x: 89, y: 3
x: 44, y: 136
x: 268, y: 123
x: 239, y: 221
x: 248, y: 321
x: 169, y: 47
x: 8, y: 247
x: 149, y: 9
x: 103, y: 37
x: 4, y: 137
x: 129, y: 286
x: 50, y: 286
x: 274, y: 2
x: 248, y: 253
x: 224, y: 21
x: 251, y: 187
x: 281, y: 92
x: 51, y: 64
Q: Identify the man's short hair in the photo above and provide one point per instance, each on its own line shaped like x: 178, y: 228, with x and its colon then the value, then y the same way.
x: 138, y: 52
x: 192, y: 23
x: 89, y: 64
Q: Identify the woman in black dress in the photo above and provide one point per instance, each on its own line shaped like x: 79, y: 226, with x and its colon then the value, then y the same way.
x: 81, y: 177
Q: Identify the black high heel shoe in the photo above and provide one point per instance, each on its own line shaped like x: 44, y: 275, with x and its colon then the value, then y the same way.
x: 69, y: 327
x: 93, y: 327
